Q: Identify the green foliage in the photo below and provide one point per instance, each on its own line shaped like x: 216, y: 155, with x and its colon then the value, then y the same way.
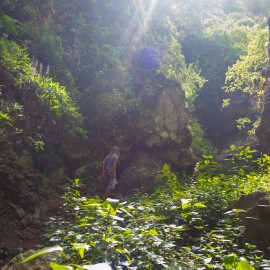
x: 200, y: 145
x: 5, y: 119
x: 250, y: 44
x: 245, y: 74
x: 241, y: 122
x: 49, y: 47
x: 122, y: 234
x: 231, y: 262
x: 173, y: 66
x: 161, y: 31
x: 17, y: 67
x: 179, y: 226
x: 239, y: 175
x: 11, y: 27
x: 90, y: 46
x: 39, y: 145
x: 233, y: 36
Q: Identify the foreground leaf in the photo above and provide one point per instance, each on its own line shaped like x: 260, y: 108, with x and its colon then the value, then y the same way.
x: 55, y: 266
x: 41, y: 252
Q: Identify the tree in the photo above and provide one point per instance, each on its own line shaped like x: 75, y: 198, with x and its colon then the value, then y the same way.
x: 245, y: 74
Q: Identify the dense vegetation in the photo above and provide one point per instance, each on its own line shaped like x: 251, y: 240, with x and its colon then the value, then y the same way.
x: 36, y: 113
x: 94, y: 70
x: 182, y: 225
x: 102, y: 60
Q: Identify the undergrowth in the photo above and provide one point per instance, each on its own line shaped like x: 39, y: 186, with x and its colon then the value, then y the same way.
x: 179, y: 226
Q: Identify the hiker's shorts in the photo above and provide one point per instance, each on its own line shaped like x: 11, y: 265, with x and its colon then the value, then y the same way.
x: 112, y: 182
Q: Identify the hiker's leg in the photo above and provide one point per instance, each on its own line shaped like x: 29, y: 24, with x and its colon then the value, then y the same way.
x: 111, y: 187
x: 106, y: 194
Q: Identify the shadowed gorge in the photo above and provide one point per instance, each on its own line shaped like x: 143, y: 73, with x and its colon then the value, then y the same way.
x: 181, y: 88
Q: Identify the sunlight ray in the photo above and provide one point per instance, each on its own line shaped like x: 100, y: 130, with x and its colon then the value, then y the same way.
x: 132, y: 36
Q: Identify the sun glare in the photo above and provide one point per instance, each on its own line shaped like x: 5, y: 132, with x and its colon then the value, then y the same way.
x: 132, y: 37
x: 149, y: 12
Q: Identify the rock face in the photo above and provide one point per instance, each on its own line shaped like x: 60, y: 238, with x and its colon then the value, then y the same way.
x: 166, y: 136
x: 263, y: 131
x: 257, y: 218
x: 163, y: 136
x: 160, y: 136
x: 24, y: 205
x: 170, y: 115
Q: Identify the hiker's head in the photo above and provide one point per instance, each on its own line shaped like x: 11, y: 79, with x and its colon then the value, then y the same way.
x: 115, y: 150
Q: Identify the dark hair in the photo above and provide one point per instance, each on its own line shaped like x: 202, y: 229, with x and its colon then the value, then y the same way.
x: 115, y: 149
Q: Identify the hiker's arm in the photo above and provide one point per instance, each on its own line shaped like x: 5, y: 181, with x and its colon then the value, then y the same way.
x: 114, y: 165
x: 103, y: 167
x: 114, y: 168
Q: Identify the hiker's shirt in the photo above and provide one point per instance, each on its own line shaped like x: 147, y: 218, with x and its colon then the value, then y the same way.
x: 109, y: 161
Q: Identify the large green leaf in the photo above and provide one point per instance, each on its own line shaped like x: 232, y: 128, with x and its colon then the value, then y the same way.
x: 111, y: 205
x: 244, y: 265
x: 80, y: 247
x: 229, y: 260
x: 200, y: 205
x: 186, y: 203
x: 41, y: 252
x: 55, y: 266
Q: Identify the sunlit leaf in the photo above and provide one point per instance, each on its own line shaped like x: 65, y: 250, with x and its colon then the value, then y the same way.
x: 166, y: 167
x: 150, y: 232
x: 122, y: 250
x: 186, y: 203
x: 113, y: 202
x: 244, y: 265
x: 41, y: 252
x: 80, y: 247
x: 230, y: 260
x: 200, y: 205
x: 55, y: 266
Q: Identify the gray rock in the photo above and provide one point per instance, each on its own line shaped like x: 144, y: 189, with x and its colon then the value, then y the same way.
x: 59, y: 176
x: 26, y: 160
x: 19, y: 210
x: 257, y: 218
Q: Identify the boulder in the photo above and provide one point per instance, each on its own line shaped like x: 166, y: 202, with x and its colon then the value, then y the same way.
x: 257, y: 218
x: 25, y: 160
x: 165, y: 137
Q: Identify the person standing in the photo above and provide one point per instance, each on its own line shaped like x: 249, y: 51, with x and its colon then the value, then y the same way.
x: 109, y: 170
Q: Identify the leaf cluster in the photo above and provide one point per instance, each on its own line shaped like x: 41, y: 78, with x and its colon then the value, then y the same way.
x: 25, y: 90
x: 245, y: 74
